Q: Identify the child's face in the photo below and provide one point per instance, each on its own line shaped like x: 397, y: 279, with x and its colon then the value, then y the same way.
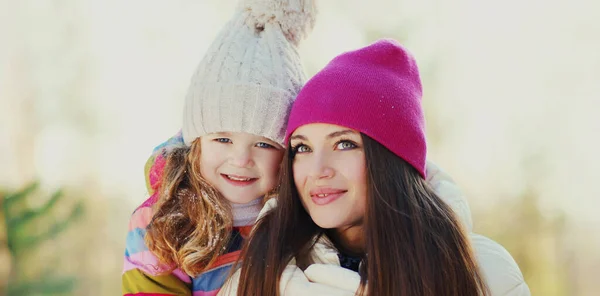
x: 241, y: 166
x: 330, y: 174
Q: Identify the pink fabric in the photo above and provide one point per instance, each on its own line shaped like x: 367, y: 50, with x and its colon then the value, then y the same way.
x: 156, y: 170
x: 154, y: 175
x: 151, y: 265
x: 205, y: 293
x: 140, y: 218
x: 147, y: 294
x: 375, y: 90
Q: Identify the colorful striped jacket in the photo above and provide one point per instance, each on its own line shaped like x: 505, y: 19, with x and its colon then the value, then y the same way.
x: 143, y: 274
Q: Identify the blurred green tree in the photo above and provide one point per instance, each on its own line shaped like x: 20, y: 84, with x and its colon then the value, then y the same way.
x: 26, y: 228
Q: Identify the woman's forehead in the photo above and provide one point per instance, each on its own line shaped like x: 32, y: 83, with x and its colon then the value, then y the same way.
x: 322, y: 129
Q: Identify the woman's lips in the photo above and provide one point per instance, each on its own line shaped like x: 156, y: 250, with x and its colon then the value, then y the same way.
x: 323, y: 196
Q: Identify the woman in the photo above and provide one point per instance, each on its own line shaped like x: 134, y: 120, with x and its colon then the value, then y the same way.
x: 355, y: 213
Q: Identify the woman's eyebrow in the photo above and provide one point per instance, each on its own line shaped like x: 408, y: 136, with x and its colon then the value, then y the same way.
x: 340, y: 133
x: 298, y: 137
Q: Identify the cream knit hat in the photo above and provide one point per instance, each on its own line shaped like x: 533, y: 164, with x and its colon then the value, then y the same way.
x: 251, y: 74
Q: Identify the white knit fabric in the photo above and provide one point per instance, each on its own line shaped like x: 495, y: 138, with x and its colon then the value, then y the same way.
x: 246, y: 214
x: 250, y: 75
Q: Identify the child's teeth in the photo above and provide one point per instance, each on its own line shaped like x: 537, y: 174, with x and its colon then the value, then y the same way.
x: 238, y: 179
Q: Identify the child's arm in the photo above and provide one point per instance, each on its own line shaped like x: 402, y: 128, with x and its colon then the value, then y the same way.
x: 142, y: 273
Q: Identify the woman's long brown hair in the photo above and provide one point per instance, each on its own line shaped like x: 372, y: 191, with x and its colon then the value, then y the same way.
x: 192, y: 222
x: 415, y: 244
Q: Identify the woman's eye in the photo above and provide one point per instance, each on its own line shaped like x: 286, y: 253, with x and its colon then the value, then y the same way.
x: 301, y: 149
x: 223, y: 140
x: 264, y: 145
x: 345, y: 145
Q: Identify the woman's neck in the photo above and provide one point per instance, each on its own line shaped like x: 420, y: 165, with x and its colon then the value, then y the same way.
x: 349, y: 240
x: 246, y: 214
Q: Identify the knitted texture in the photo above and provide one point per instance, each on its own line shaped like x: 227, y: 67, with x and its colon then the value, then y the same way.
x: 375, y: 90
x: 251, y: 74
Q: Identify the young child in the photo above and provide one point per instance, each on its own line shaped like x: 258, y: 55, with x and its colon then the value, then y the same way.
x: 207, y: 183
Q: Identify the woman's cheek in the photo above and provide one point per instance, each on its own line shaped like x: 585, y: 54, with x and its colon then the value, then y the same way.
x: 298, y: 170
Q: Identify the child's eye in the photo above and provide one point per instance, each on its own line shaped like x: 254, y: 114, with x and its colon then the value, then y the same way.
x: 264, y: 145
x: 223, y: 140
x: 345, y: 145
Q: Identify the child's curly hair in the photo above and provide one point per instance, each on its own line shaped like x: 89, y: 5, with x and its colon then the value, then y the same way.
x: 192, y: 220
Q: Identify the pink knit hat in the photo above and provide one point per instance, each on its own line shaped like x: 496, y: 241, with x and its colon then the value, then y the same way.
x: 375, y: 90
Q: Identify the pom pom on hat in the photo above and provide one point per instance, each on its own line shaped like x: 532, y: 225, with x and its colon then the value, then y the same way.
x: 295, y: 17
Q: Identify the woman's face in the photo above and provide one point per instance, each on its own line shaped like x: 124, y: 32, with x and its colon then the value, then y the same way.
x: 330, y: 174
